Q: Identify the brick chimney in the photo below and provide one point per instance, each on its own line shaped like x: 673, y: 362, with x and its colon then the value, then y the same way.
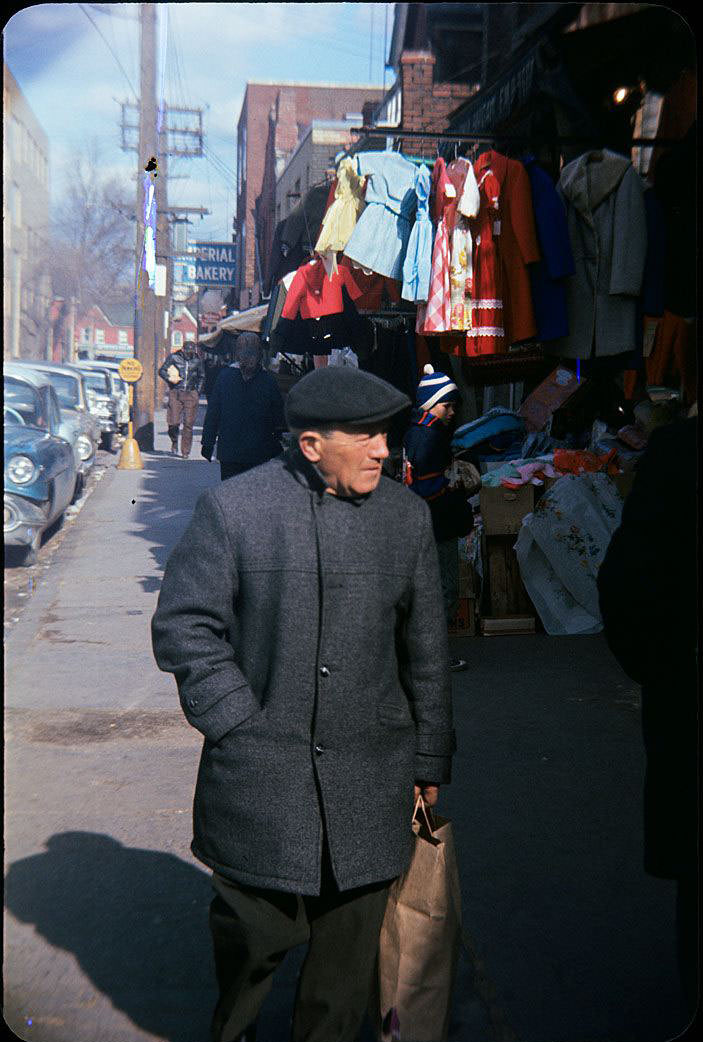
x: 426, y: 104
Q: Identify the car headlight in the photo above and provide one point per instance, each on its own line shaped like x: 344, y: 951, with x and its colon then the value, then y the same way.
x: 21, y: 470
x: 84, y: 447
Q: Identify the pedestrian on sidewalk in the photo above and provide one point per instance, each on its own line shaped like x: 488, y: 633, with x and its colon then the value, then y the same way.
x: 426, y: 457
x: 245, y: 414
x: 184, y: 373
x: 647, y: 586
x: 301, y: 614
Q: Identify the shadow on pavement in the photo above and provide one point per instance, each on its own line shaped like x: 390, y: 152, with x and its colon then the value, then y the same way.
x: 135, y: 920
x: 170, y: 488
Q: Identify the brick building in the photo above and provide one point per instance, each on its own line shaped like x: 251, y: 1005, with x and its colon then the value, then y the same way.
x: 105, y: 332
x: 273, y: 119
x: 26, y: 282
x: 311, y: 160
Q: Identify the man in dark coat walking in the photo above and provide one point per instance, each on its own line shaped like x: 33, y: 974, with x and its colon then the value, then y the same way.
x: 301, y: 614
x: 648, y: 594
x: 244, y: 412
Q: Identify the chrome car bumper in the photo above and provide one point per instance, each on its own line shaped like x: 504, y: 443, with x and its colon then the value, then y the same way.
x: 23, y: 519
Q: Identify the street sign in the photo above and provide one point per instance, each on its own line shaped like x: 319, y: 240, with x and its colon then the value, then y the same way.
x: 215, y: 263
x: 130, y: 370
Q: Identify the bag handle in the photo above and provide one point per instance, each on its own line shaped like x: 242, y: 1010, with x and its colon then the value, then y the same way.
x: 420, y: 804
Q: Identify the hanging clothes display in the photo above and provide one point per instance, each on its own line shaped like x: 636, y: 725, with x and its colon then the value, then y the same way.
x: 380, y: 238
x: 319, y: 313
x: 341, y: 217
x: 434, y: 316
x: 547, y: 275
x: 418, y: 257
x: 460, y: 213
x: 373, y: 288
x: 606, y: 219
x: 516, y: 242
x: 486, y: 333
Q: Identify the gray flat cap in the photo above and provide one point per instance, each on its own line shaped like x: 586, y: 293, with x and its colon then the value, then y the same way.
x: 342, y: 395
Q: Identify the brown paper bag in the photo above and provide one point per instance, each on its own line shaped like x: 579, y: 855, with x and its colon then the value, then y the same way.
x: 420, y: 937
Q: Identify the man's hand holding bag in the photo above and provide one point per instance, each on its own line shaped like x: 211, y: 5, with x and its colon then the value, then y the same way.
x: 420, y: 937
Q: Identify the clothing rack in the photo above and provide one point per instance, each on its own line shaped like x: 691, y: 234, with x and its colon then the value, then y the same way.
x: 555, y: 139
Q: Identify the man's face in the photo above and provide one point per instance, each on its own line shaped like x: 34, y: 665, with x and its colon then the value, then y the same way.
x: 349, y: 459
x: 248, y: 359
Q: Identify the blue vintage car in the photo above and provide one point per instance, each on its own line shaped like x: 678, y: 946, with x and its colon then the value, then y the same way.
x: 40, y: 466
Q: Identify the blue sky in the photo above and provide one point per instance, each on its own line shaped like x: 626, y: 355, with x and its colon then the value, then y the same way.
x: 74, y: 73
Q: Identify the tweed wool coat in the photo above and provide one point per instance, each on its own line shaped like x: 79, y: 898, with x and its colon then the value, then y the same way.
x: 306, y: 633
x: 605, y: 211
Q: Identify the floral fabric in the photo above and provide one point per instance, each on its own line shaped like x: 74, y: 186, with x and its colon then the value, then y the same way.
x: 560, y: 548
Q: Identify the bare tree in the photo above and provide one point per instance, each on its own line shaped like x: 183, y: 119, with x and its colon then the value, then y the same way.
x: 91, y: 248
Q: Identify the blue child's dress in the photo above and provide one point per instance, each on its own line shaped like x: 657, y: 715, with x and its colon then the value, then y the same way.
x: 418, y: 258
x: 380, y: 237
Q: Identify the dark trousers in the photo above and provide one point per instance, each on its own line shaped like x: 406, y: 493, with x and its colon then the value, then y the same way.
x: 182, y: 404
x: 687, y: 937
x: 252, y: 930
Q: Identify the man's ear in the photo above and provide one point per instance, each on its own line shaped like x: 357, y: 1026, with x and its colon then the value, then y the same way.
x: 310, y: 443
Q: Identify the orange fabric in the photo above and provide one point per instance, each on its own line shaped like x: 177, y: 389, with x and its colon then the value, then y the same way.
x: 517, y: 243
x: 579, y: 461
x: 673, y: 358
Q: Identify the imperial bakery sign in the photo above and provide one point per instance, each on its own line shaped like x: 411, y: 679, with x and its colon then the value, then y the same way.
x: 215, y: 263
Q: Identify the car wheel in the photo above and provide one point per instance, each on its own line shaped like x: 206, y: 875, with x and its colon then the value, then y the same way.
x: 79, y: 487
x: 31, y: 554
x: 106, y: 441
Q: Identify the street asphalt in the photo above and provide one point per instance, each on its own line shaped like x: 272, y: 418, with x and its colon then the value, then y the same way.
x: 106, y: 937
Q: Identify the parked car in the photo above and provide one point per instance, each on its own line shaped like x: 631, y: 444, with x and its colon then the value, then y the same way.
x: 101, y: 402
x: 40, y: 467
x: 119, y: 388
x: 79, y: 426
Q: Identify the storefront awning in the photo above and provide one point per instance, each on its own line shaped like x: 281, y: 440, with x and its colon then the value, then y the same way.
x: 251, y: 319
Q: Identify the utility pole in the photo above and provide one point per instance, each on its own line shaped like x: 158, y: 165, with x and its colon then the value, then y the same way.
x: 163, y: 251
x: 169, y: 131
x: 145, y: 311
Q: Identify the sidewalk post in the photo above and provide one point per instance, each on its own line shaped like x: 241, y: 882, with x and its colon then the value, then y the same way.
x: 130, y: 370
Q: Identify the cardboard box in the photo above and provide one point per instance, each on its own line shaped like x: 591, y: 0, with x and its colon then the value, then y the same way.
x: 494, y: 626
x: 549, y: 396
x: 464, y: 622
x: 502, y: 509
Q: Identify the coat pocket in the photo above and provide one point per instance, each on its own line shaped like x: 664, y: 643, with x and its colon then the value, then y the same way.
x: 394, y: 714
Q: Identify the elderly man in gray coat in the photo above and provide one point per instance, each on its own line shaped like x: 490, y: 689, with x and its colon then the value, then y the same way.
x: 301, y: 614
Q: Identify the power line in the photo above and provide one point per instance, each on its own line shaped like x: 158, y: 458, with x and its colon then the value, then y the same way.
x: 107, y: 44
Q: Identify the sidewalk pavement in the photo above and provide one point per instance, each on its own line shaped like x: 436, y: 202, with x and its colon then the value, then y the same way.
x: 106, y: 936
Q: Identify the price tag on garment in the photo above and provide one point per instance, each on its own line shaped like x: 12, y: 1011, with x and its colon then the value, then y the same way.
x: 130, y: 370
x: 496, y: 227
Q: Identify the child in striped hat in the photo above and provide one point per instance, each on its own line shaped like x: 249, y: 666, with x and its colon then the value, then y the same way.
x: 426, y: 456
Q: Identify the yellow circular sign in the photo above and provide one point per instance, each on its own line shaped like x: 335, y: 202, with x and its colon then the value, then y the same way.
x: 131, y: 370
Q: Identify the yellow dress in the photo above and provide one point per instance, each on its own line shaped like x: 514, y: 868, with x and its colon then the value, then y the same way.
x: 340, y: 219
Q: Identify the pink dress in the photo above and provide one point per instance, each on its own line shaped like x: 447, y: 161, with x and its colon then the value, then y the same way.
x: 434, y: 316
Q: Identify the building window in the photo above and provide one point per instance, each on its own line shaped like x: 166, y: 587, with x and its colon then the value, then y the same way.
x: 177, y: 338
x: 99, y: 336
x: 85, y: 335
x: 122, y: 337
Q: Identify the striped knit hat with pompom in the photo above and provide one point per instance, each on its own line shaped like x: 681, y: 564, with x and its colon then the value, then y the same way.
x: 433, y: 388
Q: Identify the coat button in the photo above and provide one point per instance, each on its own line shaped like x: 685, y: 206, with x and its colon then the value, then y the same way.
x: 324, y: 671
x: 319, y: 750
x: 192, y: 702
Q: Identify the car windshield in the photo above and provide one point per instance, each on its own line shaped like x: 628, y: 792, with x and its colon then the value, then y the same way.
x: 67, y: 389
x: 97, y: 382
x: 23, y: 401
